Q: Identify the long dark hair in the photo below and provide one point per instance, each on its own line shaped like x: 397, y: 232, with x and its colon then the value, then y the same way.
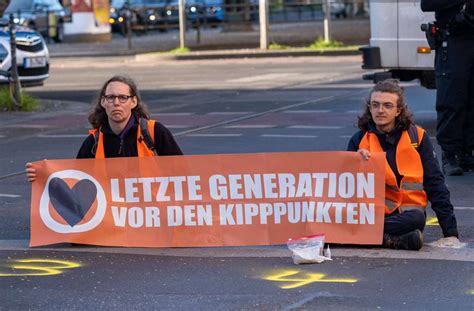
x: 404, y: 119
x: 98, y: 117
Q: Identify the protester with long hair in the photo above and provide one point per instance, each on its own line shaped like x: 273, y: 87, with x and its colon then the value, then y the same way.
x: 122, y: 127
x: 413, y: 176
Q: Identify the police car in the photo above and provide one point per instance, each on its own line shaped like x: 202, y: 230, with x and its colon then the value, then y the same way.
x: 31, y: 53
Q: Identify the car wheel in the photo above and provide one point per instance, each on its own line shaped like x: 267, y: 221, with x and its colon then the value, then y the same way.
x: 59, y: 33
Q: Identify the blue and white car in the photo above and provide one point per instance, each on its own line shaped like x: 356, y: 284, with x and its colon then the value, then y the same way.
x: 31, y: 53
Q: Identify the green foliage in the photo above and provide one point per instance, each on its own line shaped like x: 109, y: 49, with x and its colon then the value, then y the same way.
x: 29, y: 103
x: 276, y: 46
x: 179, y: 51
x: 276, y: 5
x: 321, y: 44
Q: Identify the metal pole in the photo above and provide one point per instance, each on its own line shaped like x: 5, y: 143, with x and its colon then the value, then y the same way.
x: 48, y: 25
x: 182, y: 24
x: 198, y: 26
x: 15, y: 87
x: 128, y: 24
x: 263, y: 15
x: 327, y: 21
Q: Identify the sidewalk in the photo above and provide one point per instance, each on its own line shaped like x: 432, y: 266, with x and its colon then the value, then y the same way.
x: 349, y: 31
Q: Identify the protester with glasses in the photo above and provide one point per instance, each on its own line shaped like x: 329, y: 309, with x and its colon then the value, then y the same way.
x: 412, y: 176
x: 117, y: 132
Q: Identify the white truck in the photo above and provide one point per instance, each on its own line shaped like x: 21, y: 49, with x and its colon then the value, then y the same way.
x: 397, y: 44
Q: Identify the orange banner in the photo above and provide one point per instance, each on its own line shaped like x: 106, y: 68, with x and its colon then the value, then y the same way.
x: 209, y: 200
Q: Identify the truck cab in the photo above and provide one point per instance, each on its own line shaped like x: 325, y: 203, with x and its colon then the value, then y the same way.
x: 398, y: 47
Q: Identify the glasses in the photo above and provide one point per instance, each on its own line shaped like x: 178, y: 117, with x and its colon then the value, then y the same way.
x: 121, y: 98
x: 385, y: 106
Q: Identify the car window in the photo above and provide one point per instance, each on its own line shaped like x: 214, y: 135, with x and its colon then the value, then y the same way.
x: 215, y: 2
x: 38, y: 2
x: 151, y: 2
x: 19, y: 5
x: 136, y: 2
x: 121, y: 3
x: 117, y: 3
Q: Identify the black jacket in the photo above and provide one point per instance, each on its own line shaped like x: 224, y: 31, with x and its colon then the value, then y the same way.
x: 125, y: 144
x: 446, y: 10
x: 433, y: 180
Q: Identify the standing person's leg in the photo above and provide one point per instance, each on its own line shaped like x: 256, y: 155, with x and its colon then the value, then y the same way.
x: 467, y: 160
x: 452, y: 78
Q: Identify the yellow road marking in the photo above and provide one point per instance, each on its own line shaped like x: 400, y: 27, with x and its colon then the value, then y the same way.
x: 302, y: 281
x: 40, y: 267
x: 432, y: 221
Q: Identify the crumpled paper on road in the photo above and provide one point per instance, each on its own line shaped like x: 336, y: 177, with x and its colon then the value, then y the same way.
x: 449, y: 242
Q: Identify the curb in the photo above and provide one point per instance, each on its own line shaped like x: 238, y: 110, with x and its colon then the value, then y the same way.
x: 97, y: 53
x: 245, y: 53
x: 208, y: 55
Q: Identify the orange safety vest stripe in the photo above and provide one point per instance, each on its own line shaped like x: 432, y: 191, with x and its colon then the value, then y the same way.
x: 410, y: 193
x: 143, y: 150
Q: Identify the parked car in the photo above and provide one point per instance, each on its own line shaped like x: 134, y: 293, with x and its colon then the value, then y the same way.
x: 32, y: 56
x: 144, y: 14
x: 340, y: 8
x: 208, y: 11
x: 34, y: 14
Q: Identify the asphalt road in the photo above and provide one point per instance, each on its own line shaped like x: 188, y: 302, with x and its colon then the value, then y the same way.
x: 233, y: 106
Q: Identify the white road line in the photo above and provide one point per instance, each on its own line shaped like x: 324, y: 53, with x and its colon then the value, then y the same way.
x: 250, y: 126
x: 214, y: 135
x: 170, y: 114
x: 424, y: 111
x: 433, y: 137
x: 177, y: 126
x: 315, y: 127
x: 307, y: 111
x: 464, y: 208
x: 352, y: 111
x: 62, y: 136
x: 4, y: 195
x: 30, y: 126
x: 345, y: 136
x: 224, y: 113
x: 264, y: 77
x: 288, y: 136
x: 2, y: 136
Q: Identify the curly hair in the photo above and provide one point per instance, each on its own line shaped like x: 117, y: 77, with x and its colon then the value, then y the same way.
x: 404, y: 119
x: 98, y: 116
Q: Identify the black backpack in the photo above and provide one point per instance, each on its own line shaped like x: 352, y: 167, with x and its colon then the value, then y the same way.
x: 413, y: 133
x: 145, y: 137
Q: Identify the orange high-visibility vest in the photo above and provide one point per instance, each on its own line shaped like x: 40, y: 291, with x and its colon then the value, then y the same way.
x: 410, y: 194
x: 143, y: 150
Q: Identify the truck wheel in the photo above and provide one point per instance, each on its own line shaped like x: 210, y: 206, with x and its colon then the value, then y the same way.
x: 428, y: 80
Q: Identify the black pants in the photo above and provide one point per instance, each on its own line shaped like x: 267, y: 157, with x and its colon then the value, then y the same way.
x: 405, y: 222
x: 454, y: 68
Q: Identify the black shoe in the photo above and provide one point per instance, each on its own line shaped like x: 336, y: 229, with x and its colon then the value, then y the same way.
x: 451, y: 164
x: 466, y: 161
x: 410, y: 241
